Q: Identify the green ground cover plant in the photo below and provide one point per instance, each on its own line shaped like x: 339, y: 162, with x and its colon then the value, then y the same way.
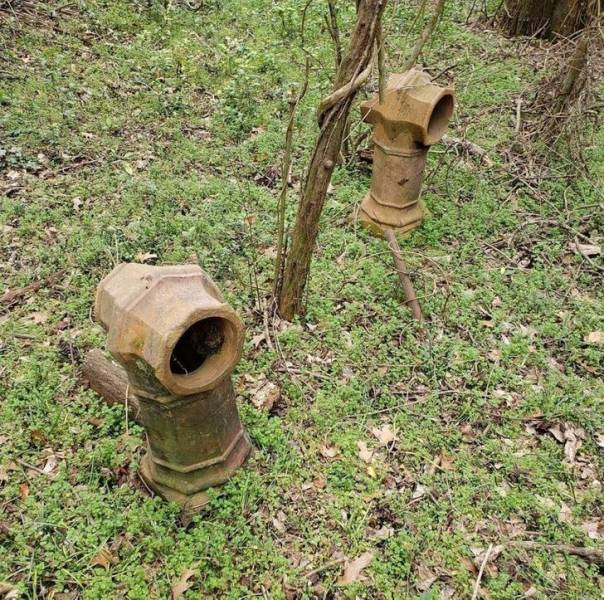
x: 153, y: 132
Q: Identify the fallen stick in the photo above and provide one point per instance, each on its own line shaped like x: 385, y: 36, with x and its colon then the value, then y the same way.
x: 109, y: 381
x: 470, y: 147
x: 410, y: 297
x: 485, y: 560
x: 10, y: 297
x: 595, y: 555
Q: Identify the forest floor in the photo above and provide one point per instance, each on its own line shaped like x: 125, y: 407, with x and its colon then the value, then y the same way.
x: 131, y: 131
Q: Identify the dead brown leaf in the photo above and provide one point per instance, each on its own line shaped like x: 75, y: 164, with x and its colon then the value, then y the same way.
x: 571, y: 436
x: 383, y: 533
x: 37, y: 317
x: 23, y: 491
x: 586, y: 250
x: 38, y: 437
x: 353, y: 569
x: 595, y: 337
x: 319, y: 483
x: 594, y: 529
x: 279, y: 522
x: 265, y: 396
x: 103, y: 558
x: 425, y: 578
x: 385, y: 435
x: 419, y: 492
x: 480, y: 554
x: 328, y: 451
x: 365, y: 454
x: 445, y: 461
x: 447, y: 592
x: 181, y: 584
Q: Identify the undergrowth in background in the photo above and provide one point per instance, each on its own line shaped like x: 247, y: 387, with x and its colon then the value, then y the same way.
x: 138, y: 131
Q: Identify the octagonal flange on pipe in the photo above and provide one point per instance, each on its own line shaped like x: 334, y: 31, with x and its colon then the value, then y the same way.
x: 414, y: 115
x: 178, y: 342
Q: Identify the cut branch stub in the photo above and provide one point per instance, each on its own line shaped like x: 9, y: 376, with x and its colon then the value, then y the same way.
x: 333, y: 114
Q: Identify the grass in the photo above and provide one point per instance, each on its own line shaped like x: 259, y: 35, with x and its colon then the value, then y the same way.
x: 129, y: 128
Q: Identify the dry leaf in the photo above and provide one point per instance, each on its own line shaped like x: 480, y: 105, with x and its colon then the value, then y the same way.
x: 419, y: 492
x: 23, y: 490
x: 587, y: 250
x: 182, y: 584
x: 595, y: 337
x: 383, y: 533
x: 51, y: 464
x: 258, y: 339
x: 8, y: 591
x: 557, y: 432
x: 265, y: 396
x: 481, y: 553
x: 445, y: 461
x: 565, y: 514
x: 594, y: 529
x: 278, y: 524
x: 571, y: 436
x: 447, y: 592
x: 365, y: 454
x: 425, y: 578
x: 38, y: 437
x: 600, y: 440
x: 37, y: 318
x: 103, y: 558
x: 319, y: 483
x: 494, y: 355
x: 353, y: 569
x: 385, y: 435
x: 328, y: 451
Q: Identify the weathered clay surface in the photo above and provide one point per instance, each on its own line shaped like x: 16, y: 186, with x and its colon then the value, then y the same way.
x: 178, y: 343
x: 414, y: 115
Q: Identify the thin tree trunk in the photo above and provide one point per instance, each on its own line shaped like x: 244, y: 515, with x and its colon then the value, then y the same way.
x: 293, y: 102
x: 333, y: 113
x: 424, y: 36
x: 334, y: 31
x: 575, y: 68
x: 569, y: 85
x: 548, y: 18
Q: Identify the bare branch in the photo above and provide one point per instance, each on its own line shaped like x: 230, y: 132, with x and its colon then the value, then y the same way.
x: 424, y: 36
